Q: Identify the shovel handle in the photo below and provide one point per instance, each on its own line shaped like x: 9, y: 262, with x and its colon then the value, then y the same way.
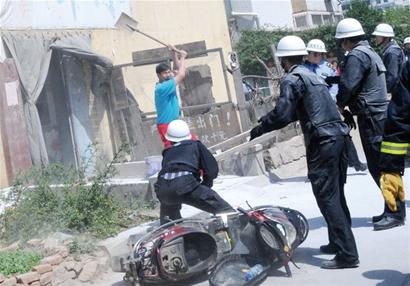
x: 154, y: 39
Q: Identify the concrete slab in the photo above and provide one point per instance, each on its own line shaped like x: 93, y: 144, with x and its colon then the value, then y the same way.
x: 384, y: 255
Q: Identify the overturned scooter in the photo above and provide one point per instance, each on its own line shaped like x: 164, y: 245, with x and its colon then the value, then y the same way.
x: 223, y: 247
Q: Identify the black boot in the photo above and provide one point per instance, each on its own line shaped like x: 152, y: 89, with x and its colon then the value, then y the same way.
x: 338, y: 263
x: 388, y: 222
x: 328, y: 249
x: 361, y: 167
x: 402, y: 209
x: 380, y: 217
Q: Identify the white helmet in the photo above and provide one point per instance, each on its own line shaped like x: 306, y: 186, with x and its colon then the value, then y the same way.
x: 406, y: 40
x: 316, y: 45
x: 384, y: 30
x: 348, y: 28
x: 291, y: 46
x: 178, y: 131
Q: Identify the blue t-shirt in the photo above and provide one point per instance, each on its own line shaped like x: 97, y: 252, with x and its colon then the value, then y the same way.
x: 166, y: 101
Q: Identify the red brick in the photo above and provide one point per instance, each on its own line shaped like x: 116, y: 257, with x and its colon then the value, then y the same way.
x: 46, y: 278
x: 28, y: 278
x: 9, y: 282
x: 43, y: 268
x: 53, y: 260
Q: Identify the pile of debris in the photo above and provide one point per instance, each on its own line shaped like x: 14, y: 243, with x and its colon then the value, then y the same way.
x: 59, y: 267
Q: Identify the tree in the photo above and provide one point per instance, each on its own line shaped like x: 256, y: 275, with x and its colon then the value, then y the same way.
x: 259, y: 42
x: 367, y: 16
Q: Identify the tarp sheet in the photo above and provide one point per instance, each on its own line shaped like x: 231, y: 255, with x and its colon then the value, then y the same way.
x: 32, y: 51
x: 61, y: 14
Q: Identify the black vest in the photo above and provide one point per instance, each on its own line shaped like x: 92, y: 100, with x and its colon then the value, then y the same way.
x: 318, y: 115
x: 183, y: 156
x: 372, y: 96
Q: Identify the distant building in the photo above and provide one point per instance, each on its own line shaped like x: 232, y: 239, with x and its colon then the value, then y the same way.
x: 284, y: 14
x: 312, y: 13
x: 379, y: 4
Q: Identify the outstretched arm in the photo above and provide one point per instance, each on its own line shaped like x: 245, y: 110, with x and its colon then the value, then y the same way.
x: 178, y: 59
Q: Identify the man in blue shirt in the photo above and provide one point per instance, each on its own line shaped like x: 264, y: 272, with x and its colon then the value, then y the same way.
x: 166, y: 99
x: 317, y: 64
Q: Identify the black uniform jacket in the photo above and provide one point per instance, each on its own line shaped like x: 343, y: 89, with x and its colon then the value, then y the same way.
x: 396, y: 138
x: 190, y: 156
x: 304, y: 96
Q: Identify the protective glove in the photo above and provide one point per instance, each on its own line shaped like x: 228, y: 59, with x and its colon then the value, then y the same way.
x: 391, y: 185
x: 256, y: 132
x: 349, y: 120
x: 332, y: 80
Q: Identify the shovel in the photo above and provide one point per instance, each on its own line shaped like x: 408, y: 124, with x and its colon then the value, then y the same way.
x: 127, y: 23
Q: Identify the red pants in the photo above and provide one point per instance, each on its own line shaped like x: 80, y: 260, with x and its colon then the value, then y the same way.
x: 162, y: 130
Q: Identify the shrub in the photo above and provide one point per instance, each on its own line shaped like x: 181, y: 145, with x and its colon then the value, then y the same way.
x: 259, y: 42
x: 37, y: 206
x: 12, y: 262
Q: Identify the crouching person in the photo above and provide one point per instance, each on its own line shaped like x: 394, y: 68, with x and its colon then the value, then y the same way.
x: 179, y: 181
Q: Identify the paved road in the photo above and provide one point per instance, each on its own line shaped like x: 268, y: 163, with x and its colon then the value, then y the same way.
x: 384, y: 255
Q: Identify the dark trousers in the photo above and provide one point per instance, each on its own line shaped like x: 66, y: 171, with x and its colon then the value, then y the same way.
x: 327, y: 167
x: 187, y: 190
x: 371, y: 133
x: 352, y: 154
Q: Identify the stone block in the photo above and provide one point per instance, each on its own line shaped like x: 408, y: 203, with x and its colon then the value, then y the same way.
x: 34, y: 243
x: 12, y: 247
x: 50, y: 245
x: 12, y: 281
x: 89, y: 271
x: 103, y: 264
x: 53, y: 260
x: 37, y: 283
x: 43, y: 268
x: 2, y: 278
x: 60, y: 275
x: 46, y: 278
x: 28, y: 278
x: 63, y: 251
x: 78, y: 266
x: 68, y: 265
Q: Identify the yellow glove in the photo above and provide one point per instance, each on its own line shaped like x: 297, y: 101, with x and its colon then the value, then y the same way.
x: 391, y: 185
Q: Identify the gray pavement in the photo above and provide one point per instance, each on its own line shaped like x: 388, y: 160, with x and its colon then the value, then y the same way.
x: 384, y: 255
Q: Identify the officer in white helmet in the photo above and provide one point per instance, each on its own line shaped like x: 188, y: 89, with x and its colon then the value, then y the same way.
x: 392, y: 54
x: 179, y: 181
x: 316, y: 63
x: 362, y: 88
x: 304, y: 96
x: 406, y: 49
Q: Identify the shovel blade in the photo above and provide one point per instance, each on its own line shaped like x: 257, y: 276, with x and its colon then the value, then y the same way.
x: 126, y: 22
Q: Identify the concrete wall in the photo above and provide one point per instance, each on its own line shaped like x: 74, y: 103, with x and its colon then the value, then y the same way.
x: 274, y: 14
x: 299, y: 6
x: 3, y: 175
x: 173, y: 22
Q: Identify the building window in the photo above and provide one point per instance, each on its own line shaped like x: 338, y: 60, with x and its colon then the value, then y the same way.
x: 327, y: 19
x: 300, y: 21
x: 317, y: 20
x: 338, y: 18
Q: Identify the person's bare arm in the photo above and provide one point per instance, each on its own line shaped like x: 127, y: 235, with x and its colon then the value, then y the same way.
x: 175, y: 59
x: 181, y: 69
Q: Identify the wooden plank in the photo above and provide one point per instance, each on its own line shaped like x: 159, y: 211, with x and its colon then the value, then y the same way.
x: 118, y: 90
x: 12, y: 122
x: 158, y: 55
x: 245, y: 146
